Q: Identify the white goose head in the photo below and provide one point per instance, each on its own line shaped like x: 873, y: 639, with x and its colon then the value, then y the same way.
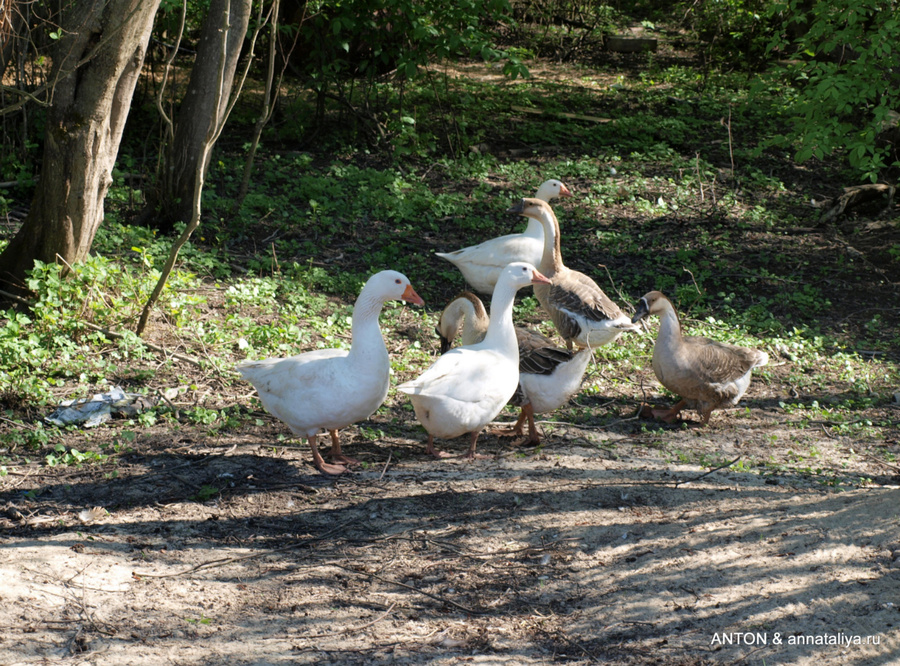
x: 391, y: 286
x: 520, y: 274
x: 552, y: 189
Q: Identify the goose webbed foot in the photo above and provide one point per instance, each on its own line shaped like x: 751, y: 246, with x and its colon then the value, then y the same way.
x: 319, y: 462
x: 669, y: 415
x: 517, y: 430
x: 430, y: 450
x: 471, y: 454
x: 336, y: 455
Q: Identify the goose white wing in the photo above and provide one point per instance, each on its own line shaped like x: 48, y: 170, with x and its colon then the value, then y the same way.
x: 460, y: 375
x: 481, y: 264
x: 301, y: 390
x: 269, y: 372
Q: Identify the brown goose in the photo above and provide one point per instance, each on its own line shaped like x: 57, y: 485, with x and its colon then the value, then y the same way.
x: 581, y: 312
x: 706, y: 374
x: 548, y: 375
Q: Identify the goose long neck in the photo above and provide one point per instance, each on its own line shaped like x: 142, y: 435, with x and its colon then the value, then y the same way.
x: 465, y: 317
x: 367, y: 339
x: 475, y: 324
x: 669, y: 324
x: 501, y: 333
x: 534, y: 228
x: 551, y: 260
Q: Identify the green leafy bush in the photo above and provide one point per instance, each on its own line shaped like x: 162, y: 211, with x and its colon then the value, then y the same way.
x: 735, y: 33
x: 848, y: 83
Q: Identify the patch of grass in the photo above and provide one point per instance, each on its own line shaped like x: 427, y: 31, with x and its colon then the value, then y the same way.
x: 73, y: 457
x: 206, y: 493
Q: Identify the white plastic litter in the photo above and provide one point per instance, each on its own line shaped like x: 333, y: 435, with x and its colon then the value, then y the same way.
x: 91, y: 412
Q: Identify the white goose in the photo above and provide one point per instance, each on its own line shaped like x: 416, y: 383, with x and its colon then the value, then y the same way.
x: 481, y: 264
x: 466, y: 388
x: 705, y: 374
x: 583, y: 315
x: 328, y: 389
x: 548, y: 375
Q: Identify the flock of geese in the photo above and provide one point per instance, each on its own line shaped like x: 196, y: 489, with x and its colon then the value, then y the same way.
x: 496, y: 363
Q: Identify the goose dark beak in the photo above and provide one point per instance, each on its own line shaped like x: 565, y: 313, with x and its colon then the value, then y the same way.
x: 641, y: 311
x: 445, y: 343
x: 518, y: 208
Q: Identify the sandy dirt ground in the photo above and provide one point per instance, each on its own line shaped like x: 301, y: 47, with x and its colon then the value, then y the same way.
x: 604, y: 545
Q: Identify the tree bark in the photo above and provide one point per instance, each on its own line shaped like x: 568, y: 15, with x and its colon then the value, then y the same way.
x: 96, y: 64
x: 203, y: 102
x: 270, y: 97
x: 10, y: 24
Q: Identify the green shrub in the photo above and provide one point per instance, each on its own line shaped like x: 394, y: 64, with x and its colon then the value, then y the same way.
x: 848, y: 83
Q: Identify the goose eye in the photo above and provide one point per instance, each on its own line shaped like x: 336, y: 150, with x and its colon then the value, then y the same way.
x: 397, y: 281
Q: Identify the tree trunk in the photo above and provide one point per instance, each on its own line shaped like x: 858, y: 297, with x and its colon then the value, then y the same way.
x: 270, y: 97
x: 96, y: 63
x: 10, y: 24
x: 221, y: 101
x: 202, y: 103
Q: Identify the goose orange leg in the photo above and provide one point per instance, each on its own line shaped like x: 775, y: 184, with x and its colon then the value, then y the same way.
x: 319, y: 462
x: 534, y: 435
x: 470, y: 454
x: 516, y: 431
x: 430, y: 450
x: 669, y: 415
x: 336, y: 454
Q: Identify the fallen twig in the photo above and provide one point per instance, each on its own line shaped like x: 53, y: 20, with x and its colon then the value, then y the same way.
x: 17, y: 424
x: 496, y: 554
x: 436, y: 597
x: 231, y: 560
x: 386, y: 463
x: 351, y: 630
x: 705, y: 474
x: 878, y: 460
x: 560, y: 114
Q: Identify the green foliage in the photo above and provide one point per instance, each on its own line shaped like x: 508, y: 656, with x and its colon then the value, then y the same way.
x: 205, y: 494
x: 73, y: 457
x: 52, y: 343
x: 26, y: 436
x: 169, y: 15
x: 565, y: 29
x: 365, y: 36
x: 735, y: 32
x: 349, y: 48
x: 847, y: 85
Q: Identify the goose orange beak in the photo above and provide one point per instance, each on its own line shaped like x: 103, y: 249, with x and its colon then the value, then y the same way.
x: 539, y: 278
x: 410, y: 296
x: 564, y: 192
